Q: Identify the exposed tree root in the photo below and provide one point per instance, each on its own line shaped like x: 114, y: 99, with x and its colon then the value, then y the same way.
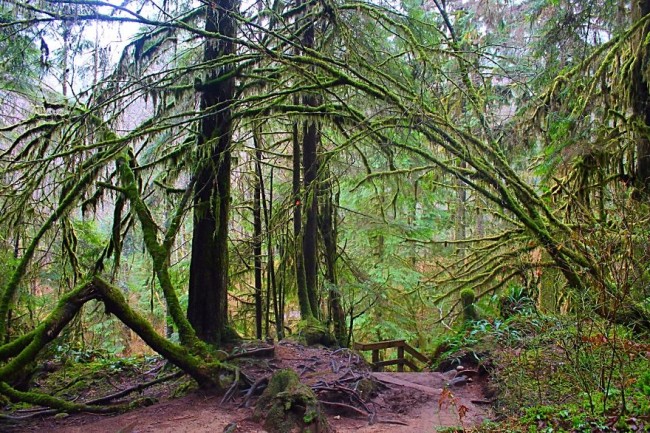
x: 260, y: 384
x: 264, y: 351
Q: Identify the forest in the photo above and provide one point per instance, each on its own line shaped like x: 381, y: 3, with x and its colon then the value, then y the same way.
x: 186, y: 185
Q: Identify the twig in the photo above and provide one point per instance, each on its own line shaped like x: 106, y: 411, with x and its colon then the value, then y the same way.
x: 40, y: 412
x: 342, y: 389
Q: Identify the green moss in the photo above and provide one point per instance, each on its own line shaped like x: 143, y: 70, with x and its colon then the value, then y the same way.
x: 288, y: 405
x: 467, y: 298
x: 39, y: 399
x: 312, y: 331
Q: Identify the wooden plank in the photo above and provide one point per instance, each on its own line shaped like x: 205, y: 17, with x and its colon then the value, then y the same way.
x: 375, y: 360
x: 410, y: 365
x: 415, y: 354
x: 400, y: 381
x: 400, y: 356
x: 388, y: 362
x: 379, y: 345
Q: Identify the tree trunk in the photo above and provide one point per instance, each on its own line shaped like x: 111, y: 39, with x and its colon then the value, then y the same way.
x: 303, y: 298
x: 311, y: 168
x: 640, y: 94
x: 461, y: 215
x: 257, y: 245
x: 310, y: 235
x: 273, y: 293
x: 207, y: 307
x: 329, y: 234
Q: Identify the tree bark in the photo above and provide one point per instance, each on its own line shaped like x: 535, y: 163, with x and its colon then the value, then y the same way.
x: 303, y: 298
x: 329, y: 234
x: 257, y: 245
x: 207, y: 306
x: 310, y: 235
x: 640, y: 94
x: 311, y: 168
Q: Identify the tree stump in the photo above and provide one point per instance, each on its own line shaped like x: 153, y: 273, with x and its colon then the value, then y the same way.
x: 287, y: 405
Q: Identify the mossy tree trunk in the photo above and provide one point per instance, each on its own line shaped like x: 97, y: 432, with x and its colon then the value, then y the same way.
x: 303, y: 298
x: 207, y: 306
x: 257, y: 244
x: 311, y: 172
x: 22, y: 351
x: 329, y: 235
x: 640, y: 95
x: 310, y: 233
x: 159, y: 252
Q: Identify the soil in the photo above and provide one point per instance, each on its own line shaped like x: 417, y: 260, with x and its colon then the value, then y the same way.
x: 358, y: 400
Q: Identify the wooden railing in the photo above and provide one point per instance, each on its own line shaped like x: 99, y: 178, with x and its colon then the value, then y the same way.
x: 401, y: 361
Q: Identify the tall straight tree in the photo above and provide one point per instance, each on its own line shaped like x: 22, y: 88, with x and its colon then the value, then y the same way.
x: 311, y: 166
x: 640, y: 94
x: 257, y: 242
x: 329, y: 234
x: 207, y: 307
x: 301, y: 285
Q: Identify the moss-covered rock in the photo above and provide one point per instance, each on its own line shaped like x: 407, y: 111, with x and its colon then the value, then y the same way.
x: 287, y: 405
x: 313, y: 332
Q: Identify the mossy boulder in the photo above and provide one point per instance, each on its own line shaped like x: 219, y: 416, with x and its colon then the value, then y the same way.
x: 289, y: 406
x: 313, y: 332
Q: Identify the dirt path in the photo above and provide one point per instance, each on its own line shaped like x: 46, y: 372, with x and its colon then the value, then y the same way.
x: 416, y: 399
x: 403, y: 403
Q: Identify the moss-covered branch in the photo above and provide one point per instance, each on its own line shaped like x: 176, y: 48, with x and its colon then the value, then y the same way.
x: 160, y: 252
x: 39, y: 399
x: 205, y: 374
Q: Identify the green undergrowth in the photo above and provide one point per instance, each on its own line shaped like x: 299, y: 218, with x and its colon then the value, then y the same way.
x: 81, y: 375
x: 551, y: 374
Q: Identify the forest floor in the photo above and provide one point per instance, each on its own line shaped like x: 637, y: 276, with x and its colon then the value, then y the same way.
x: 356, y: 399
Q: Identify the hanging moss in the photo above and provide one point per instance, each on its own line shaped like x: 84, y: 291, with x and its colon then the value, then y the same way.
x: 287, y: 405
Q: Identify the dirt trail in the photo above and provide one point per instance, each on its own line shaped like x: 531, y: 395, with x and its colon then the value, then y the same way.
x: 403, y: 403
